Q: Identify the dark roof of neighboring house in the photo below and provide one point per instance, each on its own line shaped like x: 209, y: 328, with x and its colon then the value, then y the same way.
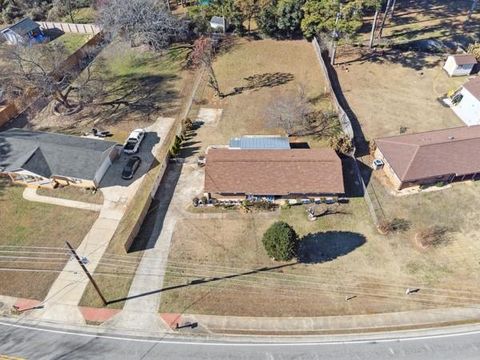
x: 473, y: 86
x: 260, y: 142
x: 273, y: 172
x: 48, y: 154
x: 433, y: 153
x: 464, y: 59
x: 23, y: 27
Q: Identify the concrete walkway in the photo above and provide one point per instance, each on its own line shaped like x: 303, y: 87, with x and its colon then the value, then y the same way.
x: 61, y: 302
x: 335, y: 324
x: 177, y: 189
x: 30, y: 194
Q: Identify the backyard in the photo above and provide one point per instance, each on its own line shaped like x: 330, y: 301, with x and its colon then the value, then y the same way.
x: 32, y: 242
x: 132, y: 88
x: 246, y: 112
x: 438, y: 19
x: 386, y: 94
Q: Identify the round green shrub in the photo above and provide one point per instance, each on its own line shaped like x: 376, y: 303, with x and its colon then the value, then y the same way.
x: 280, y: 241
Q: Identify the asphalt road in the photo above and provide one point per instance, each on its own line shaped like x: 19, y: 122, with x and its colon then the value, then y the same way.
x: 40, y: 344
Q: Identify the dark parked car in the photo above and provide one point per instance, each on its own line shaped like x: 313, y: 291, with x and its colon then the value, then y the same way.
x: 131, y: 167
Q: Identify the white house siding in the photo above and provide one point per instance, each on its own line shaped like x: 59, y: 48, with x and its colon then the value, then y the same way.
x: 102, y: 170
x: 11, y: 37
x: 468, y: 109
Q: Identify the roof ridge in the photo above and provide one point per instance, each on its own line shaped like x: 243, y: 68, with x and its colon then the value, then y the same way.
x: 428, y: 131
x: 410, y: 163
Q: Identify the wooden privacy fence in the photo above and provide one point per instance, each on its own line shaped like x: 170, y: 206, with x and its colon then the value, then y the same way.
x: 137, y: 208
x: 347, y: 127
x: 70, y: 28
x: 342, y: 114
x: 32, y: 103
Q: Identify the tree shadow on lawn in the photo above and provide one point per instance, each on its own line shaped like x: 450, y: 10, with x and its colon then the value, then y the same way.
x: 259, y: 81
x: 327, y: 246
x: 138, y: 95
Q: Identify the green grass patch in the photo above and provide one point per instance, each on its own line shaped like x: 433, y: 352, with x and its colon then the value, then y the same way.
x: 35, y: 225
x: 73, y: 42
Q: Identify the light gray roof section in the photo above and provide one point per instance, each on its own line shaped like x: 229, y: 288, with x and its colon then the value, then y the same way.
x: 217, y: 20
x: 48, y: 154
x: 256, y: 142
x: 23, y: 27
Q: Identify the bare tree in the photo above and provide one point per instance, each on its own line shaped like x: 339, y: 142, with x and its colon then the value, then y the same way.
x: 38, y: 69
x: 141, y: 22
x: 289, y: 111
x: 202, y: 54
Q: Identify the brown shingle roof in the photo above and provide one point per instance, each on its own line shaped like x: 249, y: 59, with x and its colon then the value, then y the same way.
x: 273, y: 172
x: 433, y: 153
x: 464, y: 59
x: 473, y: 86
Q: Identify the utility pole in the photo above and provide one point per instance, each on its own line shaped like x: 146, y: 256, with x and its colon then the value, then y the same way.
x: 90, y: 277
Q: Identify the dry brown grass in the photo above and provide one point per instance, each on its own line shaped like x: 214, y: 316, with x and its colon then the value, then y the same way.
x: 245, y: 113
x: 73, y: 193
x: 377, y: 271
x: 386, y: 96
x: 32, y: 225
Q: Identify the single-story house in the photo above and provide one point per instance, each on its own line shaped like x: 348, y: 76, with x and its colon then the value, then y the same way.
x: 460, y: 64
x: 37, y: 158
x: 466, y: 102
x: 24, y: 32
x: 272, y: 174
x: 257, y: 142
x: 431, y: 157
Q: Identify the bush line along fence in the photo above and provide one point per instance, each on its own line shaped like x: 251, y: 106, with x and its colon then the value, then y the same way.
x: 137, y: 208
x: 70, y: 27
x: 31, y: 104
x: 345, y: 122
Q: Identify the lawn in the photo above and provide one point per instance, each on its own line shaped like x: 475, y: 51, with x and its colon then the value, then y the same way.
x: 72, y: 42
x: 85, y: 15
x: 32, y: 242
x: 440, y: 19
x: 73, y: 193
x: 398, y: 90
x: 342, y: 255
x: 289, y: 64
x: 135, y: 86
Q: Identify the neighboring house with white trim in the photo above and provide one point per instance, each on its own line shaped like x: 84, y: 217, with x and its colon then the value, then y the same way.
x: 36, y: 158
x: 466, y: 102
x: 460, y: 64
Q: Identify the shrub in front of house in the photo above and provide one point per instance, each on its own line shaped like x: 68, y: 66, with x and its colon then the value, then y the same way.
x: 280, y: 241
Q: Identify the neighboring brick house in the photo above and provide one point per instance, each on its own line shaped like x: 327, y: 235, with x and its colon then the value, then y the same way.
x: 232, y: 174
x: 435, y: 156
x: 40, y: 159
